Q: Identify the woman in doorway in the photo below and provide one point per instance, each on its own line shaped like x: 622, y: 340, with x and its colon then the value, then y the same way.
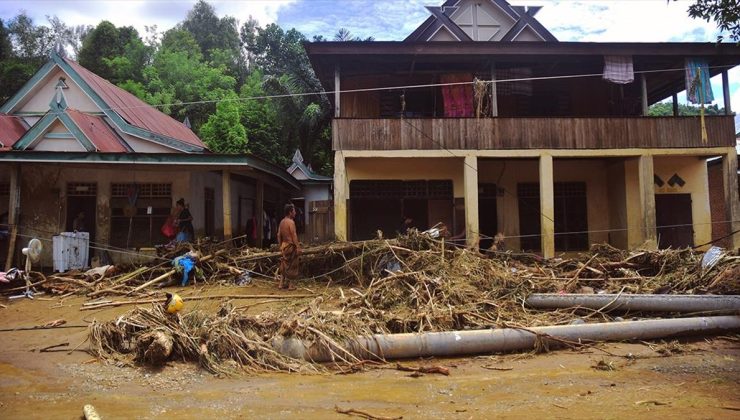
x: 184, y: 221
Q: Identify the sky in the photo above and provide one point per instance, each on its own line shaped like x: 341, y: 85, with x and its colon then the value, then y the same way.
x: 393, y: 20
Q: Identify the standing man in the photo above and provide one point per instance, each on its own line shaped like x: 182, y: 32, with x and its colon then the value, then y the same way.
x: 184, y: 221
x: 289, y: 248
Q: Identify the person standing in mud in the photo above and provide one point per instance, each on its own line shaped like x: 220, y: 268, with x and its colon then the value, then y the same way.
x: 289, y: 248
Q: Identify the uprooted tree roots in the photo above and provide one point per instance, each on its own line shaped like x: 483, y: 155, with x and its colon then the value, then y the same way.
x: 411, y: 284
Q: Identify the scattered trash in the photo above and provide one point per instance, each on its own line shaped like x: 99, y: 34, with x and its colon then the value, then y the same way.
x: 244, y: 279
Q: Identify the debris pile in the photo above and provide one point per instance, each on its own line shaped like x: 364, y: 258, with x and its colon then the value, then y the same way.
x: 411, y: 284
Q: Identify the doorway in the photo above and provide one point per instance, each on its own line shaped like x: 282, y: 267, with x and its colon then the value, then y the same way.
x: 487, y: 214
x: 82, y: 199
x: 674, y: 220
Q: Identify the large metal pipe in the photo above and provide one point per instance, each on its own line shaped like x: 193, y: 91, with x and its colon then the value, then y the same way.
x: 460, y: 343
x: 646, y: 303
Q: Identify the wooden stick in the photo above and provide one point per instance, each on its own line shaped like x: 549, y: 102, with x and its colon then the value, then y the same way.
x: 352, y: 411
x: 173, y: 271
x: 90, y: 306
x: 424, y: 369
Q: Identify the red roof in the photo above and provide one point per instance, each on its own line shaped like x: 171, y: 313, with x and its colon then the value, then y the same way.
x: 135, y: 111
x: 98, y: 131
x: 11, y: 129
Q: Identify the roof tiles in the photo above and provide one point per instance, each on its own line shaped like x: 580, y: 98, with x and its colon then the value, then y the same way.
x: 11, y: 129
x: 98, y: 132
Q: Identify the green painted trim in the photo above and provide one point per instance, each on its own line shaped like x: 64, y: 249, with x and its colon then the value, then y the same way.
x: 35, y: 131
x: 77, y: 132
x: 59, y: 136
x: 117, y: 119
x: 29, y: 114
x: 206, y: 160
x: 30, y: 84
x: 33, y: 135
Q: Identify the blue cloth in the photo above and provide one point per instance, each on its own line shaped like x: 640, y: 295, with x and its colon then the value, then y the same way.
x: 183, y: 236
x: 184, y: 263
x: 698, y: 88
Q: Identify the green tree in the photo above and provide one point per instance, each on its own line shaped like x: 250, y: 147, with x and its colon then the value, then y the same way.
x: 218, y: 38
x: 223, y: 132
x: 665, y: 109
x: 6, y: 47
x: 260, y: 118
x: 115, y: 54
x: 726, y: 13
x: 180, y: 81
x: 29, y: 40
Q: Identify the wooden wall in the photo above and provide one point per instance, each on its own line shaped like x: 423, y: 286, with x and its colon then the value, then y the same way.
x: 531, y: 133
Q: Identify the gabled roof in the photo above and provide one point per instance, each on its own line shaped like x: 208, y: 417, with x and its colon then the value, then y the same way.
x: 135, y: 111
x: 309, y: 174
x: 442, y: 20
x: 98, y: 132
x: 124, y: 111
x: 11, y: 129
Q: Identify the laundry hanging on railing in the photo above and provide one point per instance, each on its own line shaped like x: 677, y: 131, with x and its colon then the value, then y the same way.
x: 619, y: 69
x: 698, y: 86
x: 458, y: 99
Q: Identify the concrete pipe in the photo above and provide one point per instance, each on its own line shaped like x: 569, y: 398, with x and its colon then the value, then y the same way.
x: 461, y: 343
x: 645, y: 303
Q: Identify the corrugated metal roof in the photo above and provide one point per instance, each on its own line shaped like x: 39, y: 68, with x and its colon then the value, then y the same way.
x: 98, y: 132
x: 11, y: 129
x: 135, y: 111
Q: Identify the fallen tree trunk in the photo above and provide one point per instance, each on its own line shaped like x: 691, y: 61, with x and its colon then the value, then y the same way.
x: 460, y: 343
x: 640, y: 303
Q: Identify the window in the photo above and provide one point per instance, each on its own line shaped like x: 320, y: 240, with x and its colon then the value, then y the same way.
x: 82, y: 189
x: 138, y: 211
x: 571, y: 216
x: 4, y: 190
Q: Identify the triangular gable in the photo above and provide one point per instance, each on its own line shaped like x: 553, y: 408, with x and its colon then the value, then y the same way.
x: 142, y: 114
x: 481, y: 20
x: 67, y: 130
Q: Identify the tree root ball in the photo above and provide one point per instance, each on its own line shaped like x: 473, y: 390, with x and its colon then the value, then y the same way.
x: 154, y: 348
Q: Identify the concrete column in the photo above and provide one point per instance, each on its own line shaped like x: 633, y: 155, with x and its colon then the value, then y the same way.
x: 675, y: 105
x: 646, y: 174
x: 547, y: 206
x: 726, y: 92
x: 337, y: 93
x: 102, y: 219
x: 14, y: 208
x: 341, y: 197
x: 259, y: 209
x: 643, y: 87
x: 732, y: 205
x: 470, y: 181
x: 226, y: 199
x: 494, y: 92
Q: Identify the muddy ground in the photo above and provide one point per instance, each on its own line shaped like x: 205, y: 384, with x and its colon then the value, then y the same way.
x: 700, y: 379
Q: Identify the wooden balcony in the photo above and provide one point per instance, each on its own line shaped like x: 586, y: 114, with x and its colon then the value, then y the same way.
x: 531, y: 133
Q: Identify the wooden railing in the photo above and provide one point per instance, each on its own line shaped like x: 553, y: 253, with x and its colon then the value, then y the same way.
x: 531, y: 133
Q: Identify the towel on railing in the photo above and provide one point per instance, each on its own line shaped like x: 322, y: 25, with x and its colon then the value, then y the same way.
x: 698, y: 86
x: 619, y: 69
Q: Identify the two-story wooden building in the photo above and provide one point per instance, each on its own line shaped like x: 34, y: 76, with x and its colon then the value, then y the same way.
x: 482, y: 120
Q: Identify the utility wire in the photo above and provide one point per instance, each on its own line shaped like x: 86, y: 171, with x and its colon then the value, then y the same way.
x: 401, y: 87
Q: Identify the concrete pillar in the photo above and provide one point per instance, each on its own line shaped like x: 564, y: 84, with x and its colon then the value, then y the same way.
x: 470, y: 181
x: 646, y: 174
x: 675, y: 105
x: 226, y: 199
x: 726, y: 92
x: 337, y: 93
x: 547, y: 206
x: 732, y: 205
x: 14, y: 207
x: 102, y: 219
x: 341, y: 197
x: 259, y: 210
x: 643, y: 87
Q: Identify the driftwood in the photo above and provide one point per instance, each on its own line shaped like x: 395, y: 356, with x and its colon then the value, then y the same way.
x: 424, y: 369
x: 105, y: 304
x: 364, y: 414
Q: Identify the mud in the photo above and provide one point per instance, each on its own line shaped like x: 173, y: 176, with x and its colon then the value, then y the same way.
x: 700, y: 380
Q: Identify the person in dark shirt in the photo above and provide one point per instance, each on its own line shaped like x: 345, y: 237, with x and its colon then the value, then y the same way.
x: 184, y: 221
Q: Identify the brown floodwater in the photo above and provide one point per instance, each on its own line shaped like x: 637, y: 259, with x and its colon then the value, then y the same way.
x: 702, y: 381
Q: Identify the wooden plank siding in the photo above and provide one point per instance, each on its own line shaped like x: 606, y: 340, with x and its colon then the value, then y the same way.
x: 530, y: 133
